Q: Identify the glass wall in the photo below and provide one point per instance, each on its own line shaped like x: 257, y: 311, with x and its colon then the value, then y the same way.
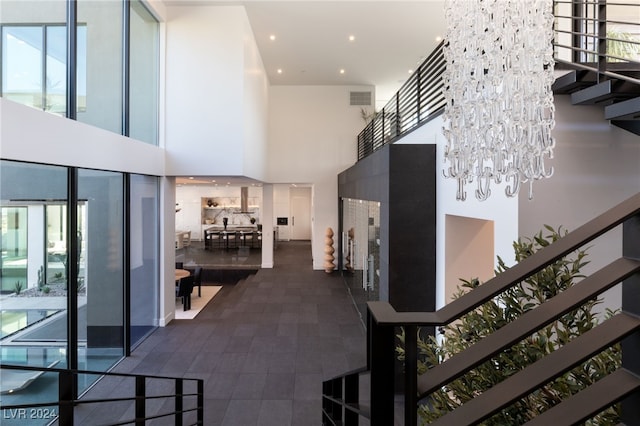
x: 33, y: 314
x: 144, y: 256
x: 143, y: 74
x: 36, y: 271
x: 100, y: 283
x: 100, y: 101
x: 361, y: 251
x: 34, y: 65
x: 34, y: 53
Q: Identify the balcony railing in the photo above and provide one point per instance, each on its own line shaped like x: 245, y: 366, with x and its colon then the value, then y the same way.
x: 601, y: 37
x: 418, y: 101
x: 145, y: 393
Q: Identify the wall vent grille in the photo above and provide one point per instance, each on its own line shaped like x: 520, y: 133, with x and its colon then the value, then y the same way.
x: 359, y: 98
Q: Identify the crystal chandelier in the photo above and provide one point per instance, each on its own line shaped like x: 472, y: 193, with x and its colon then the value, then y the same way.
x: 497, y: 87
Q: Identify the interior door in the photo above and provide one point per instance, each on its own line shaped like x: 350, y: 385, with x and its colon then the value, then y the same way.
x: 300, y: 213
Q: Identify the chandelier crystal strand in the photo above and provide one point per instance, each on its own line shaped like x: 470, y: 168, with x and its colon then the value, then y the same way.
x: 499, y: 108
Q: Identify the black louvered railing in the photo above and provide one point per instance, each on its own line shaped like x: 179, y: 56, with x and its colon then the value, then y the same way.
x: 418, y: 101
x: 600, y: 38
x: 145, y: 392
x: 342, y: 404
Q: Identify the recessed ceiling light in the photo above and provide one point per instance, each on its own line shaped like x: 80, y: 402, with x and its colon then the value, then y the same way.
x: 410, y: 71
x: 352, y: 38
x: 214, y: 181
x: 279, y: 70
x: 342, y: 71
x: 272, y: 37
x: 438, y: 38
x: 191, y: 177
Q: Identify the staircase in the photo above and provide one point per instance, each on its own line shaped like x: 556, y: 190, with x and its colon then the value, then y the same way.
x: 342, y: 403
x: 619, y: 98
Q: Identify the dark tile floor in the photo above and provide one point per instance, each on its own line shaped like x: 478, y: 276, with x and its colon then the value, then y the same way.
x: 263, y: 346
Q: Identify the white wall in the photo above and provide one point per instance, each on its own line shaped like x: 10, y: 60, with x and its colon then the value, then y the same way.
x: 255, y: 95
x: 596, y: 166
x: 31, y: 135
x: 312, y: 137
x: 216, y: 91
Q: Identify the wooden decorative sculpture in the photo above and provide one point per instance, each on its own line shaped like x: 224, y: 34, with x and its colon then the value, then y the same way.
x: 329, y: 266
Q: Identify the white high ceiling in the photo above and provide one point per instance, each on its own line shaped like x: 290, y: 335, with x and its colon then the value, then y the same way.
x: 312, y: 39
x: 312, y: 44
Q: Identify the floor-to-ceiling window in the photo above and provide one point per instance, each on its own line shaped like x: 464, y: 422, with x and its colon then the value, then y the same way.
x: 48, y: 266
x: 34, y: 50
x: 116, y: 88
x: 100, y: 284
x: 100, y: 100
x: 33, y: 301
x: 144, y: 229
x: 143, y: 74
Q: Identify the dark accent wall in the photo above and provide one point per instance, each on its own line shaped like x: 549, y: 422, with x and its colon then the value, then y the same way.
x: 403, y: 179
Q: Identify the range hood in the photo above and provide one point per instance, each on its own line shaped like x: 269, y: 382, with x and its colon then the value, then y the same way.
x: 244, y: 200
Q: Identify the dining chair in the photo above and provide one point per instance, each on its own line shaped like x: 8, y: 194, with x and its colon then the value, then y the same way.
x: 229, y: 237
x: 184, y: 289
x: 197, y: 279
x: 179, y: 265
x: 247, y: 235
x: 211, y: 238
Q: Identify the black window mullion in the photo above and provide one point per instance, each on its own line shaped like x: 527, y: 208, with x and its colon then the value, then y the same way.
x: 43, y: 77
x: 126, y: 254
x: 72, y: 272
x: 72, y: 50
x: 126, y: 37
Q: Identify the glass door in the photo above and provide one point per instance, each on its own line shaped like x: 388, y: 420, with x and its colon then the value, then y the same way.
x: 361, y: 251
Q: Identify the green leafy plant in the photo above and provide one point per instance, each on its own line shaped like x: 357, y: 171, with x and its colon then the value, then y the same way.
x: 17, y: 287
x: 498, y: 312
x: 622, y: 45
x: 46, y: 289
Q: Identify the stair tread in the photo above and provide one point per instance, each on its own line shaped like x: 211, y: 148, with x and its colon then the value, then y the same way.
x: 573, y: 81
x: 590, y: 401
x: 607, y: 91
x: 542, y: 371
x: 625, y: 110
x: 529, y: 322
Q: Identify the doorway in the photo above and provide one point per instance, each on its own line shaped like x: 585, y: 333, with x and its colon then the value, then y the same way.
x: 300, y: 199
x: 469, y: 251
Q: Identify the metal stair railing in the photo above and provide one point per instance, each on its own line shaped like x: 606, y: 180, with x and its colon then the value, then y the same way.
x: 65, y: 406
x: 384, y: 322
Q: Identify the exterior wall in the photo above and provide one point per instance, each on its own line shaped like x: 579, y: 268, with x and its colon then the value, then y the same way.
x: 596, y: 166
x: 216, y: 91
x: 312, y: 138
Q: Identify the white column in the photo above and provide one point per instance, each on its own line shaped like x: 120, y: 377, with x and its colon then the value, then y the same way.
x: 167, y: 250
x: 267, y: 226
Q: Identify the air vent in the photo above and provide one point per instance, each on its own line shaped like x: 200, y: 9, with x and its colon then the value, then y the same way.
x: 359, y: 98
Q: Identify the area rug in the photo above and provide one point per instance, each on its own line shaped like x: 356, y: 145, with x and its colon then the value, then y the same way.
x: 197, y: 303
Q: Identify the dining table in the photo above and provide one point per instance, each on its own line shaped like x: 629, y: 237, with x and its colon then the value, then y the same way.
x: 182, y: 273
